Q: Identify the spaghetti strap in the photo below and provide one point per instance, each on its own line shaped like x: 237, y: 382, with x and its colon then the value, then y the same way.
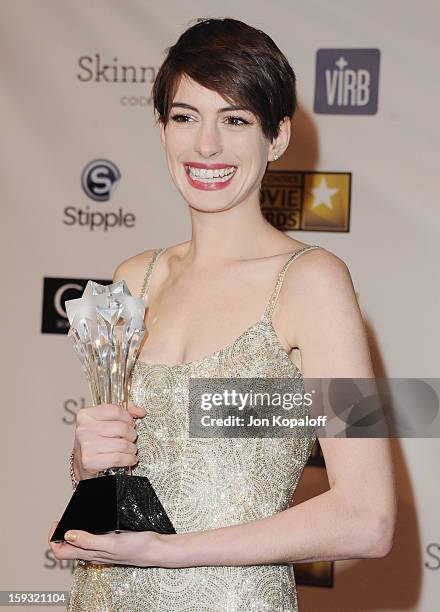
x: 267, y: 315
x: 149, y: 271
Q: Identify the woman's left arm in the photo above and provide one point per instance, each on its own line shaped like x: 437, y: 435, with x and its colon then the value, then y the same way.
x: 355, y: 518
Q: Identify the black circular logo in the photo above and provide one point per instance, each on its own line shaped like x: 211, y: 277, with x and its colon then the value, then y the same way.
x: 99, y: 179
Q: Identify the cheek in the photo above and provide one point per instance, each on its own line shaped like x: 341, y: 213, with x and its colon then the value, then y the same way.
x: 177, y: 142
x: 251, y: 146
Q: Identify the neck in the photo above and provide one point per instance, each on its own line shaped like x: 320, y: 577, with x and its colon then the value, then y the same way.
x: 224, y: 236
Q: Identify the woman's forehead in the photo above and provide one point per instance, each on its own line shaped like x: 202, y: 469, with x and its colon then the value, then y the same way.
x: 189, y: 91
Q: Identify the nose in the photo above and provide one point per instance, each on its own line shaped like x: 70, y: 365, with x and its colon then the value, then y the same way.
x: 208, y: 141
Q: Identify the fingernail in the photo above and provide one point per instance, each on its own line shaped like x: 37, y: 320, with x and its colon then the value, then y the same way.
x: 70, y: 536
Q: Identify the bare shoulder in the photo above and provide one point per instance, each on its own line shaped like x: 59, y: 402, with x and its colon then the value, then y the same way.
x: 316, y: 270
x: 323, y: 318
x: 310, y: 277
x: 330, y: 329
x: 133, y: 269
x: 321, y: 289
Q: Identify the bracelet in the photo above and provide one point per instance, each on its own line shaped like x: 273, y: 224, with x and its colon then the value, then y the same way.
x: 72, y: 472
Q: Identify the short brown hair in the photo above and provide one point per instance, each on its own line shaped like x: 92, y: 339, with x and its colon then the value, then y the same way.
x: 239, y: 62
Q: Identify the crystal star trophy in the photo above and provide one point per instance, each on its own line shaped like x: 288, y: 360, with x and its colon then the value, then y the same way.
x: 107, y: 327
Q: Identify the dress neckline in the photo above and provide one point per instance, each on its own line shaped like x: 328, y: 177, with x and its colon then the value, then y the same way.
x: 187, y: 364
x: 265, y: 319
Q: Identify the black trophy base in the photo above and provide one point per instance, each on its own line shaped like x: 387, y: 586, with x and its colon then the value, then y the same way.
x: 109, y: 504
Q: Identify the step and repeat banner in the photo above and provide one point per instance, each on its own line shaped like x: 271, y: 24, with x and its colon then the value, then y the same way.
x: 85, y: 185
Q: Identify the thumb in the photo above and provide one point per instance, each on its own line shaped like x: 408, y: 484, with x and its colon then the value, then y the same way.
x: 136, y: 411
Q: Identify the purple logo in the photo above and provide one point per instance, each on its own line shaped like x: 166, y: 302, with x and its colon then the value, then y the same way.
x: 347, y: 81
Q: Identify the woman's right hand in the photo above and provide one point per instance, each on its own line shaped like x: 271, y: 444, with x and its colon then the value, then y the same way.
x: 105, y: 437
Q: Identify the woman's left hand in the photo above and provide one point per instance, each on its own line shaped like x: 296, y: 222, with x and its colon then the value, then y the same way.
x: 138, y: 548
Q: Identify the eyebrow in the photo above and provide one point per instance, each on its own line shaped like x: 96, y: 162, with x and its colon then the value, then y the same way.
x: 234, y: 107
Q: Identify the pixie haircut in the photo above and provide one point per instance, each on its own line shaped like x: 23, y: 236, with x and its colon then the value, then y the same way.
x: 239, y: 62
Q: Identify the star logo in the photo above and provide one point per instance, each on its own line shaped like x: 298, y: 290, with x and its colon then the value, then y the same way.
x: 307, y: 200
x: 326, y: 203
x: 323, y: 194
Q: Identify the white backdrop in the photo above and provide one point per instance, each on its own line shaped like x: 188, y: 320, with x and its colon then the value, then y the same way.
x: 55, y: 121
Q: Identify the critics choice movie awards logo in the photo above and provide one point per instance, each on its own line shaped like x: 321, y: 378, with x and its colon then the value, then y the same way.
x: 99, y: 180
x: 55, y: 293
x: 347, y: 81
x: 313, y: 201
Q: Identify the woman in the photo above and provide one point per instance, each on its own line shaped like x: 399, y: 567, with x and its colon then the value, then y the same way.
x: 224, y: 96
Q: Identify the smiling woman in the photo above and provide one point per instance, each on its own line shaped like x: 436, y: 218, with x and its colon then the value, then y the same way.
x: 224, y: 98
x: 209, y: 131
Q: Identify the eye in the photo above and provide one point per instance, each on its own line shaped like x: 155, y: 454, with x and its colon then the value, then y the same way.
x: 237, y: 121
x: 180, y: 118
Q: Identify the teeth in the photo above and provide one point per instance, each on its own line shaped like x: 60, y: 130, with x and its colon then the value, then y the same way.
x: 219, y: 175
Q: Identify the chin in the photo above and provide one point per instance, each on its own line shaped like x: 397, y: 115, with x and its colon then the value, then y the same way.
x: 204, y: 207
x: 206, y: 201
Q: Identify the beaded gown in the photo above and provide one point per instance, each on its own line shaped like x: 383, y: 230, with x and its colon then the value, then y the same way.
x: 206, y: 483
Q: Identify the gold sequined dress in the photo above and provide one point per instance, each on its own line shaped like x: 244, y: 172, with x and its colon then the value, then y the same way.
x: 205, y: 483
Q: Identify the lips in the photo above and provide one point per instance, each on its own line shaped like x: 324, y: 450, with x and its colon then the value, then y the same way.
x: 208, y: 166
x: 209, y: 183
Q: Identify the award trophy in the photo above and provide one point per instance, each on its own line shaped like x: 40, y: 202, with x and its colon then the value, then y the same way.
x: 107, y: 326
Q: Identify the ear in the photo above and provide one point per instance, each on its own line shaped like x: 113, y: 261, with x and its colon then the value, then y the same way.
x: 281, y: 142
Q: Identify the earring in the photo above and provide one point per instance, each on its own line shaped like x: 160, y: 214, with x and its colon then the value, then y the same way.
x: 275, y: 157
